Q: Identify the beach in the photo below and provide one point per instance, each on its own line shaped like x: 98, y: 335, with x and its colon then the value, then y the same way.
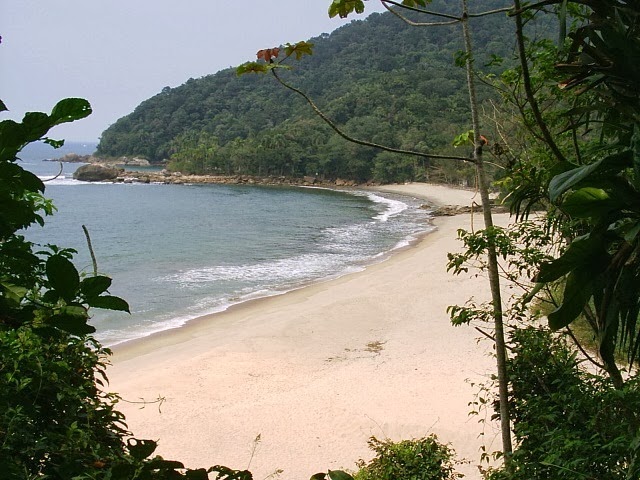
x: 298, y: 382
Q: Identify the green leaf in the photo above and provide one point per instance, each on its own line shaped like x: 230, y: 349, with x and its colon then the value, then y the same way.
x: 35, y: 125
x: 465, y: 138
x: 563, y: 182
x: 584, y: 250
x: 339, y: 475
x: 72, y: 319
x: 588, y: 202
x: 94, y: 286
x: 577, y: 292
x: 343, y: 8
x: 141, y: 449
x: 318, y: 476
x: 199, y: 474
x: 53, y: 143
x: 109, y: 302
x: 415, y: 3
x: 252, y: 67
x: 70, y: 109
x: 63, y: 277
x: 3, y: 107
x: 13, y: 293
x: 299, y: 49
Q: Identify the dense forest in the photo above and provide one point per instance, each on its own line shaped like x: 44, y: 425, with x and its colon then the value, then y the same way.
x: 379, y: 79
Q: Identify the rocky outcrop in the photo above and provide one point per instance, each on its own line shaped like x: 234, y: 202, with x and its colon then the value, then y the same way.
x: 94, y: 172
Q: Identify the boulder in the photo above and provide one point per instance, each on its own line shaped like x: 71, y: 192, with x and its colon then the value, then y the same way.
x: 94, y: 172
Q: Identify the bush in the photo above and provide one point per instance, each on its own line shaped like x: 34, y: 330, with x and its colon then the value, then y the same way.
x: 421, y: 459
x: 569, y: 424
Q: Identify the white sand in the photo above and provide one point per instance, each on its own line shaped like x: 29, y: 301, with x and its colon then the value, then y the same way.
x: 318, y: 371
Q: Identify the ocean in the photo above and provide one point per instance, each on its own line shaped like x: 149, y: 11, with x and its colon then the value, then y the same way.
x: 177, y: 252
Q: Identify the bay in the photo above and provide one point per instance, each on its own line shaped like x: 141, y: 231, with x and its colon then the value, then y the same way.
x: 177, y: 252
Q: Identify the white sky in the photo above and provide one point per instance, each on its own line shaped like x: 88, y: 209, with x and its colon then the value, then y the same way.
x: 117, y: 53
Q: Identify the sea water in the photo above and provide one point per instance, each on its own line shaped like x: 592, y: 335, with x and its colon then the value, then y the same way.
x: 177, y: 252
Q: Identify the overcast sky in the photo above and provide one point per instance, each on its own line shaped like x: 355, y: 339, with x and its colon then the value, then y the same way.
x: 117, y: 53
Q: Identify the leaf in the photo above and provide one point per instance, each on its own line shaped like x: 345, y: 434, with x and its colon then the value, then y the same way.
x: 318, y: 476
x: 109, y: 302
x: 299, y: 49
x: 199, y: 474
x: 3, y: 107
x: 343, y: 8
x: 583, y: 250
x: 252, y: 67
x: 70, y: 109
x: 563, y: 182
x: 12, y: 292
x: 35, y: 125
x: 588, y: 202
x: 465, y: 138
x: 141, y: 449
x: 63, y: 277
x: 577, y: 292
x: 568, y: 179
x: 94, y: 286
x: 339, y: 475
x: 415, y: 3
x: 72, y: 319
x: 53, y: 143
x: 268, y: 54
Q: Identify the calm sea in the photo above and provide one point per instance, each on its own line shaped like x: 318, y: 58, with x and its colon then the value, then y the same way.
x: 176, y: 252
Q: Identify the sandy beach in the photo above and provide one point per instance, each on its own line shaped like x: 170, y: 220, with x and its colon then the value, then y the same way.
x: 317, y: 371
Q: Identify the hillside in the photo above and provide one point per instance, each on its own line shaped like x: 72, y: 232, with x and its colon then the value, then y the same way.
x: 379, y: 78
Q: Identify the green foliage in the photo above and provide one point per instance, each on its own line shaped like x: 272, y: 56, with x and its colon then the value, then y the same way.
x: 379, y: 79
x: 585, y: 174
x: 420, y: 459
x: 568, y: 424
x: 57, y: 421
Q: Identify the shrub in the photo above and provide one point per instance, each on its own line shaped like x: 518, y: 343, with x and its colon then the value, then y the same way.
x: 421, y: 459
x: 568, y: 423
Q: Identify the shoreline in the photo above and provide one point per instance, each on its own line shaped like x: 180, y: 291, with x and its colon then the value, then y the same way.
x: 314, y: 385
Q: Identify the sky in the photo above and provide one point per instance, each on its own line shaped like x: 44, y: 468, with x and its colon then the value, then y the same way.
x: 117, y: 53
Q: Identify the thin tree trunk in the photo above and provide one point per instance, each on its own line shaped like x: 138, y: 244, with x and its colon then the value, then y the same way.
x: 494, y: 279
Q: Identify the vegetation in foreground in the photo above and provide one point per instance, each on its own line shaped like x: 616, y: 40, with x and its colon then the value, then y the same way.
x: 574, y: 147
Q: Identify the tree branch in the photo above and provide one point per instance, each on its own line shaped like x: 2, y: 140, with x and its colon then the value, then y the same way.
x: 420, y: 10
x: 417, y: 24
x: 529, y: 89
x: 365, y: 143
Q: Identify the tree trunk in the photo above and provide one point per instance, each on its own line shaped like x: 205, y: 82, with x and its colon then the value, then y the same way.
x: 494, y: 278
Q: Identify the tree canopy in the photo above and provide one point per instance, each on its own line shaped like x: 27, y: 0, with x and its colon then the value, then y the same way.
x: 378, y: 78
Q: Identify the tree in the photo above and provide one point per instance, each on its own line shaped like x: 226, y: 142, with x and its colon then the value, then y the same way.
x: 56, y: 418
x: 592, y: 176
x: 343, y: 8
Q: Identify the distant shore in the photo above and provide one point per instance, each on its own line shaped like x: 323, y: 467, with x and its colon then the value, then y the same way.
x: 317, y: 371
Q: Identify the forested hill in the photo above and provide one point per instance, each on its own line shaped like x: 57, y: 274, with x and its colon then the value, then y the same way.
x: 379, y: 78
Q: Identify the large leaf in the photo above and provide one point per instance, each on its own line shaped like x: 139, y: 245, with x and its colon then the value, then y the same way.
x: 577, y: 292
x: 94, y: 286
x: 612, y: 164
x: 343, y: 8
x: 35, y: 125
x: 563, y: 182
x: 584, y: 250
x: 588, y: 202
x: 141, y: 449
x: 70, y: 109
x: 109, y: 302
x: 63, y: 277
x: 339, y: 475
x: 72, y: 319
